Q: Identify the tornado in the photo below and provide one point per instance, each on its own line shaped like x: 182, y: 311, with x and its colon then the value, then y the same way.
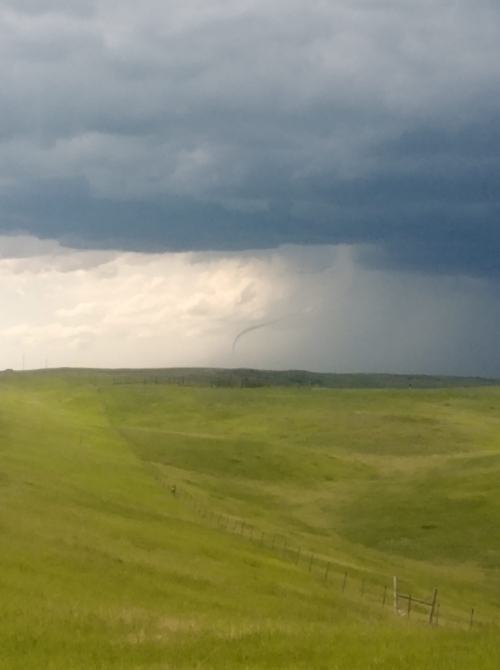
x: 263, y: 325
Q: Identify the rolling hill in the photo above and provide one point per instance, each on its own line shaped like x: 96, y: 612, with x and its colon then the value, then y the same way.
x: 294, y: 507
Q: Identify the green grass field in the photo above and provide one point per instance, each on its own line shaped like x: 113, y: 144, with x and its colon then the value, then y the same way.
x: 103, y: 567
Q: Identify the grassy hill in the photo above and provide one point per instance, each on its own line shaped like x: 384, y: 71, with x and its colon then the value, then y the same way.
x: 251, y: 378
x: 280, y: 493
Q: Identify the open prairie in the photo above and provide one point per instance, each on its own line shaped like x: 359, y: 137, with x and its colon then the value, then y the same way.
x: 293, y: 510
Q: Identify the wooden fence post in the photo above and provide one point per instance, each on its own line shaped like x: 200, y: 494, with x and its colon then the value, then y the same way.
x: 326, y: 571
x: 433, y: 606
x: 311, y: 562
x: 385, y: 594
x: 471, y: 619
x: 409, y: 605
x: 343, y: 583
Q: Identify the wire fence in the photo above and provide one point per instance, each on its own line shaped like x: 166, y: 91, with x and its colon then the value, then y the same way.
x: 388, y: 592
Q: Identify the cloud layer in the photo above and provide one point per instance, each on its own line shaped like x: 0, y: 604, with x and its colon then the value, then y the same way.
x: 324, y: 311
x: 217, y: 125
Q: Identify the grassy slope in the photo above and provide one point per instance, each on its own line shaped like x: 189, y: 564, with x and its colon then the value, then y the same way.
x: 104, y: 568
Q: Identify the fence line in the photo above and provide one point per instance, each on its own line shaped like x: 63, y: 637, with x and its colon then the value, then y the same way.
x: 432, y: 613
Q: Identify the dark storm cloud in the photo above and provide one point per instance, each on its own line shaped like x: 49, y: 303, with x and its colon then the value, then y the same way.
x: 233, y: 125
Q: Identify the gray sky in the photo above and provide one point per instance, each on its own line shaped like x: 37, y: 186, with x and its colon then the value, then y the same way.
x: 346, y: 153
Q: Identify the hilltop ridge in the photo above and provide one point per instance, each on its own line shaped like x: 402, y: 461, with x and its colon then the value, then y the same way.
x: 252, y: 377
